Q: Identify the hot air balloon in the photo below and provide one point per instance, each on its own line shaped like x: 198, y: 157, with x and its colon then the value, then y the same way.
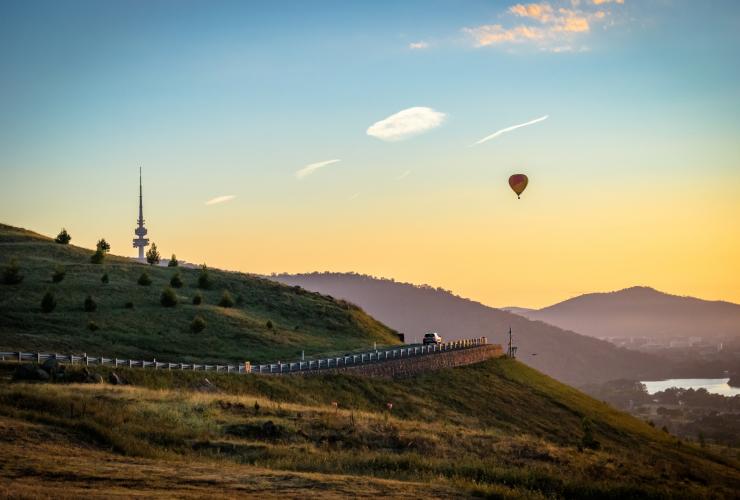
x: 518, y: 183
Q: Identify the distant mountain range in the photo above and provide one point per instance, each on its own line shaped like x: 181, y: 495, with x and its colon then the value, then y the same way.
x: 641, y: 312
x: 570, y: 357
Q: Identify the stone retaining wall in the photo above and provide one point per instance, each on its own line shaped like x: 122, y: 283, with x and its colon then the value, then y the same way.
x: 410, y: 366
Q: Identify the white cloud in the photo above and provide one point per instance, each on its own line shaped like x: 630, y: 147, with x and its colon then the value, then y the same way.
x: 220, y: 199
x: 406, y: 123
x: 509, y: 129
x: 421, y: 44
x: 404, y: 175
x: 313, y: 167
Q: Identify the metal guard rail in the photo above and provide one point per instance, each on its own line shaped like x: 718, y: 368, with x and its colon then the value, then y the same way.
x: 357, y: 359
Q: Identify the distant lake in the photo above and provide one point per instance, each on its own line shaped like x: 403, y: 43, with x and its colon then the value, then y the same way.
x: 713, y: 385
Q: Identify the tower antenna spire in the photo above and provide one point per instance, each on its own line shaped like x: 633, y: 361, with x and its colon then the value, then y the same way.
x: 140, y: 241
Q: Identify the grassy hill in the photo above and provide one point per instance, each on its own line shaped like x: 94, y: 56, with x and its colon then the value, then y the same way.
x: 269, y: 321
x: 498, y: 428
x: 569, y: 357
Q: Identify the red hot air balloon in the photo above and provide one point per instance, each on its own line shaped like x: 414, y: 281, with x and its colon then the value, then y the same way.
x: 518, y: 183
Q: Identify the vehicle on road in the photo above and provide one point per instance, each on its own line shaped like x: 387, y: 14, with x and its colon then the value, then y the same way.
x: 431, y: 338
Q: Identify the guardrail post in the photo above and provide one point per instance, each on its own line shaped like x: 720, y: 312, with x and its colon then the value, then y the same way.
x: 20, y: 356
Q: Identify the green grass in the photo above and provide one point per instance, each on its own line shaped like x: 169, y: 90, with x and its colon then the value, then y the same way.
x: 496, y: 428
x: 300, y: 320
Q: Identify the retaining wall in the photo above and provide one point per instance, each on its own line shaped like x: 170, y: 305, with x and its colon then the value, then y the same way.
x: 406, y: 367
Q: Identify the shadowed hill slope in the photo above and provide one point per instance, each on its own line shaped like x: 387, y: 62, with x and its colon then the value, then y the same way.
x: 642, y: 312
x: 269, y: 321
x: 570, y: 357
x: 497, y: 428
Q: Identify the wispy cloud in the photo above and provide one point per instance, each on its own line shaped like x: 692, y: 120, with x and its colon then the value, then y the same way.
x: 220, y: 199
x: 313, y: 167
x: 545, y: 25
x: 403, y: 175
x: 406, y: 123
x: 420, y: 45
x: 353, y: 196
x: 509, y: 129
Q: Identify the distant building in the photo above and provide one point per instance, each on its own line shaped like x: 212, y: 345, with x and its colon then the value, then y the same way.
x: 140, y: 241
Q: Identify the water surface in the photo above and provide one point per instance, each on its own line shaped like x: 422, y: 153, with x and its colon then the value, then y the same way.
x: 713, y: 385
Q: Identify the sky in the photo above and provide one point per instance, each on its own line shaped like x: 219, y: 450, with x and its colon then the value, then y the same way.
x: 362, y: 136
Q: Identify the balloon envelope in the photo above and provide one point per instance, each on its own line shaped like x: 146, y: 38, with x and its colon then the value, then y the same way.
x: 518, y: 183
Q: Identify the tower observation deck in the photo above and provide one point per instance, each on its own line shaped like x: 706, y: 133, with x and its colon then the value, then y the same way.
x: 140, y: 241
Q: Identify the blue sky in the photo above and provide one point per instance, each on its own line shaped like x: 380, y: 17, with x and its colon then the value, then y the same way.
x: 232, y: 98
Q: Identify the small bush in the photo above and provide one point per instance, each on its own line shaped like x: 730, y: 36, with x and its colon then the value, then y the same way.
x: 59, y: 274
x: 197, y: 299
x: 98, y: 257
x: 12, y: 273
x: 168, y: 298
x: 176, y: 281
x: 90, y: 305
x: 63, y: 238
x: 173, y: 261
x: 104, y: 279
x: 92, y: 326
x: 144, y: 279
x: 48, y: 302
x: 197, y: 325
x: 588, y: 440
x: 239, y: 300
x: 204, y: 278
x: 129, y: 305
x: 269, y: 324
x: 226, y: 300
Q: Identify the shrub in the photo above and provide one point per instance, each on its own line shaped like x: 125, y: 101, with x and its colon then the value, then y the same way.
x: 588, y: 440
x: 63, y: 238
x: 176, y: 281
x: 226, y: 300
x: 103, y: 246
x: 204, y: 278
x: 269, y: 324
x: 152, y: 255
x: 90, y: 305
x: 48, y: 302
x: 104, y: 279
x: 173, y: 261
x: 129, y: 305
x: 12, y: 273
x: 98, y: 257
x: 59, y: 274
x: 239, y: 300
x: 197, y: 325
x: 168, y: 298
x: 197, y: 299
x: 144, y: 279
x: 92, y: 326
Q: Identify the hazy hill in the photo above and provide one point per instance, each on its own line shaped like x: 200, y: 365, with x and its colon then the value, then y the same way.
x: 414, y: 310
x: 298, y: 320
x: 497, y: 429
x: 642, y: 312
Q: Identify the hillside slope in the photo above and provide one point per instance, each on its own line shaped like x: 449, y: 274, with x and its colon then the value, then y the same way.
x: 642, y: 312
x: 414, y: 310
x: 497, y: 428
x: 298, y: 320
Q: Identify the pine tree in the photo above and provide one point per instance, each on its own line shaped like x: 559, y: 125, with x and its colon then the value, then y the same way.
x: 63, y: 238
x: 173, y: 261
x: 152, y: 255
x: 48, y: 302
